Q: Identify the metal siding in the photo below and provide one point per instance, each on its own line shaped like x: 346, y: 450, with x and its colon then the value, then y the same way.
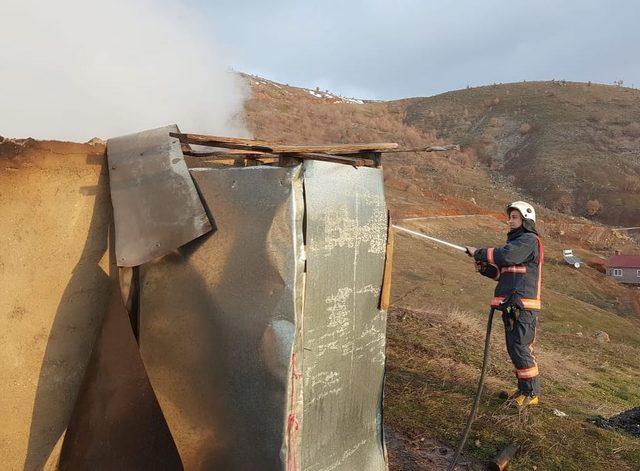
x: 256, y: 363
x: 155, y: 203
x: 218, y: 322
x: 117, y: 422
x: 343, y: 329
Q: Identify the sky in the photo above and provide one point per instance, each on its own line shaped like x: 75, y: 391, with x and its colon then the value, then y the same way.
x: 77, y: 69
x: 394, y: 49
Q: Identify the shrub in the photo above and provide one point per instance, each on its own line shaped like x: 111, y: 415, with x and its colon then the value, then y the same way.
x: 562, y: 201
x: 631, y: 184
x: 525, y: 128
x: 594, y: 117
x: 632, y: 130
x: 593, y: 207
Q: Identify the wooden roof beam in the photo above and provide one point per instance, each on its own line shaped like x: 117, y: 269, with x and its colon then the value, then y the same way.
x: 269, y: 147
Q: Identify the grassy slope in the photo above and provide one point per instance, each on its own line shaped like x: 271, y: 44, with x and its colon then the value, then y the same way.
x: 436, y: 326
x: 436, y: 330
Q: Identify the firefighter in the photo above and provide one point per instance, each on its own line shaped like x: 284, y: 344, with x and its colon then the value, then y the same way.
x: 517, y: 267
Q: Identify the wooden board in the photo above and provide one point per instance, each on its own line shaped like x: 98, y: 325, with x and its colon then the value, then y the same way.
x: 446, y: 148
x: 341, y: 159
x: 340, y: 149
x: 270, y: 147
x: 359, y: 161
x: 385, y: 292
x: 236, y: 153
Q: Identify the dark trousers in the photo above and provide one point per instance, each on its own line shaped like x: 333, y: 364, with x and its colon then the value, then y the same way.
x: 520, y: 334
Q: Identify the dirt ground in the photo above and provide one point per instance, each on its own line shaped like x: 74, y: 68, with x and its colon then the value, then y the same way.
x: 422, y: 454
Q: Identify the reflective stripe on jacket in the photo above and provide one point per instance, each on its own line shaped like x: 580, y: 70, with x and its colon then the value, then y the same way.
x: 520, y: 267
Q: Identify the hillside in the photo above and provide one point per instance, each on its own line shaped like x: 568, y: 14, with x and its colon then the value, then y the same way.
x: 559, y: 143
x: 564, y: 143
x: 436, y: 325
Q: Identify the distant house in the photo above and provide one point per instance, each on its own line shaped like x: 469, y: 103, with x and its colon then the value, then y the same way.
x: 624, y: 268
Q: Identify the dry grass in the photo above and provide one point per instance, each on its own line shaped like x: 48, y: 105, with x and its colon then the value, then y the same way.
x: 435, y: 345
x: 434, y: 361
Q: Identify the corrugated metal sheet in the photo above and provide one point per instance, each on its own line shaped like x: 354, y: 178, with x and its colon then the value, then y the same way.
x: 218, y: 322
x: 117, y: 422
x: 263, y: 356
x: 155, y: 203
x: 343, y: 329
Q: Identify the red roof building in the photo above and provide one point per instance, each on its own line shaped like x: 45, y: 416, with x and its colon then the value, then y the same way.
x: 624, y: 261
x: 624, y: 268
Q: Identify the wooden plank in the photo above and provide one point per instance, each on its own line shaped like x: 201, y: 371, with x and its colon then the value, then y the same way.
x: 229, y: 154
x: 448, y: 147
x: 252, y: 155
x: 264, y: 146
x: 340, y: 159
x: 226, y: 152
x: 224, y: 142
x: 374, y: 157
x: 230, y: 161
x: 385, y: 292
x: 340, y: 149
x: 255, y: 145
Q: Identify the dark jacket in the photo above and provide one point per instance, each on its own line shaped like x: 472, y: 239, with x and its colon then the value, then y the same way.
x: 517, y: 266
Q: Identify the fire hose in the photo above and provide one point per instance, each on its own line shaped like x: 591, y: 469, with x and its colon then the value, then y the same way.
x: 485, y: 358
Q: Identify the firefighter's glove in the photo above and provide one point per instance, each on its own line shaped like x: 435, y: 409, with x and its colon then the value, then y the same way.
x: 488, y: 270
x: 512, y: 306
x: 512, y: 314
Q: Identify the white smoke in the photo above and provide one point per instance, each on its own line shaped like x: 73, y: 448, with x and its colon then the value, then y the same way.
x: 77, y: 69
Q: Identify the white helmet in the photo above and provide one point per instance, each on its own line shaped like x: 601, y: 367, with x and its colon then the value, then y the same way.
x: 525, y: 209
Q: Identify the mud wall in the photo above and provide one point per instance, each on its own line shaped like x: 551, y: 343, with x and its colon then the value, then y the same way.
x: 56, y: 273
